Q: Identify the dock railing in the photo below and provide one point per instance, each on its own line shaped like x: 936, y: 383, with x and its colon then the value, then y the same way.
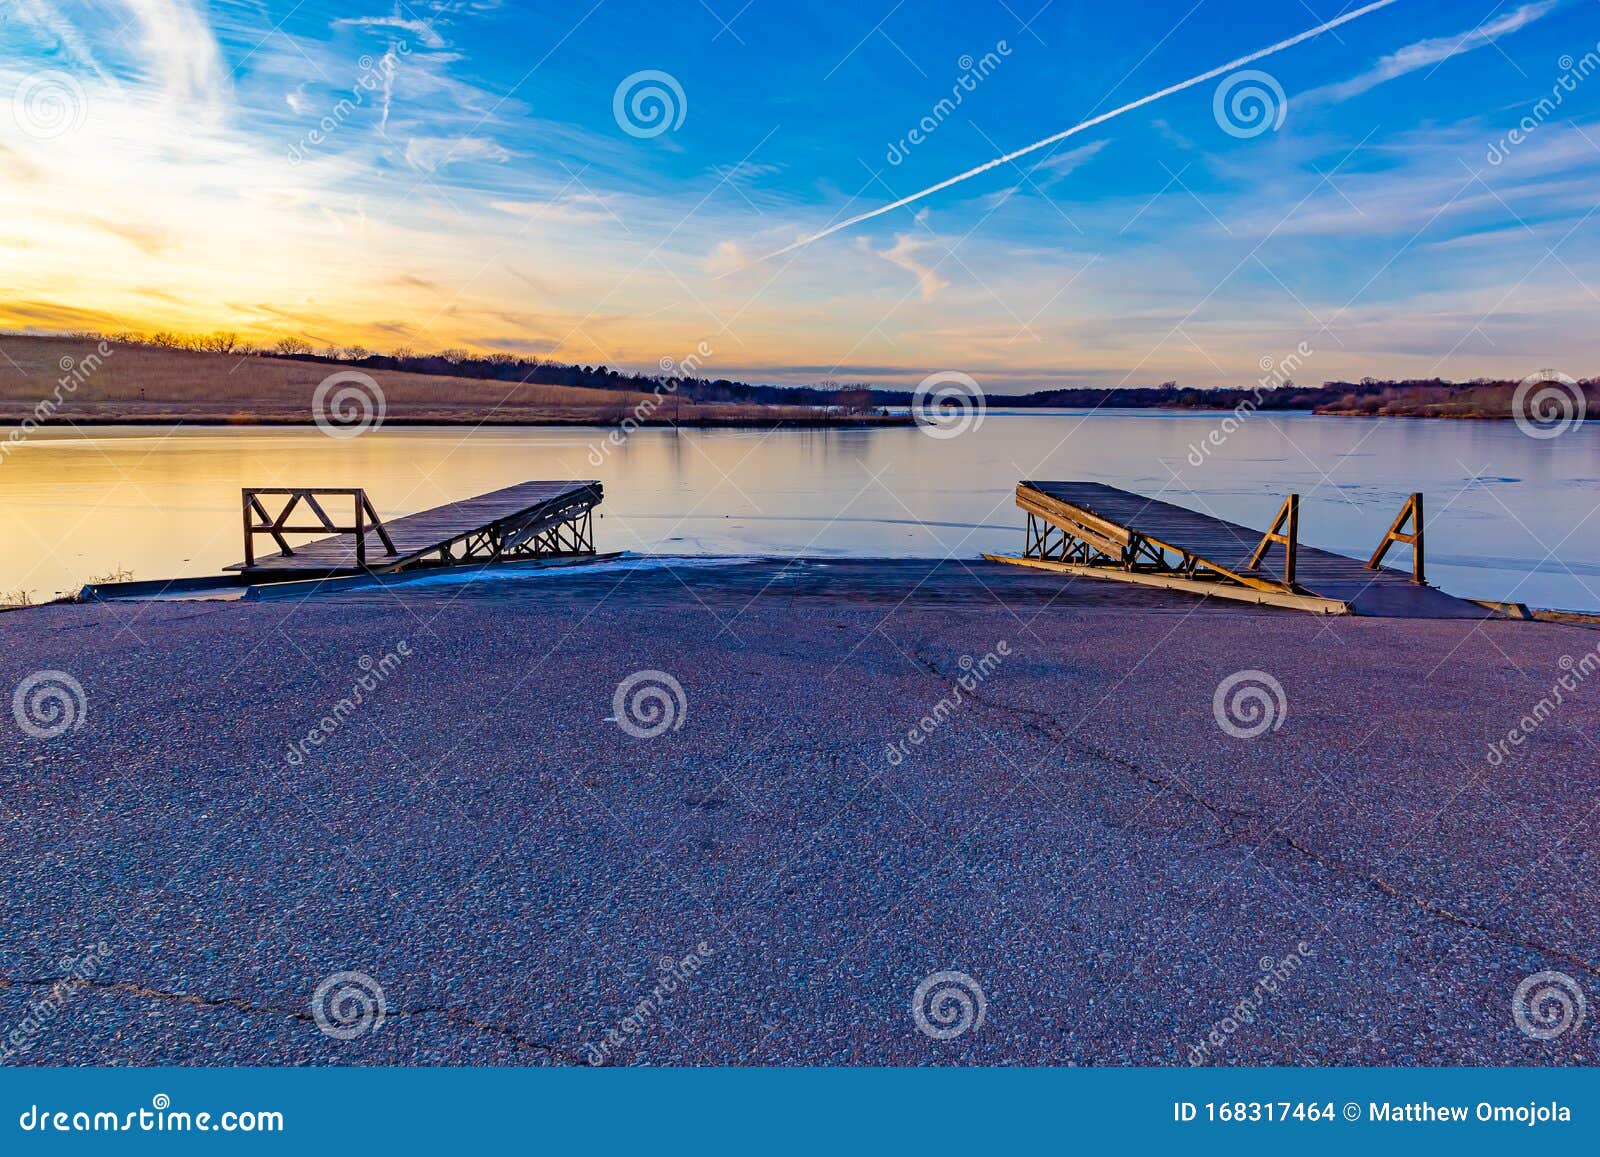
x: 1411, y: 512
x: 366, y: 518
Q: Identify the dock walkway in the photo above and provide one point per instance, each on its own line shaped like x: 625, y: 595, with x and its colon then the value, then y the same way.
x: 1091, y: 529
x: 529, y: 520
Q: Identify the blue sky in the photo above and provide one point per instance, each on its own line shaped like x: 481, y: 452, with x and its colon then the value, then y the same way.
x: 455, y: 172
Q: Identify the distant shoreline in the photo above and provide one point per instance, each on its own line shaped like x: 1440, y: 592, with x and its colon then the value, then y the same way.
x: 707, y: 423
x: 744, y: 422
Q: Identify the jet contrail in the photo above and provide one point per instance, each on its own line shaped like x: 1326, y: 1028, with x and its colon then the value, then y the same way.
x: 1080, y: 127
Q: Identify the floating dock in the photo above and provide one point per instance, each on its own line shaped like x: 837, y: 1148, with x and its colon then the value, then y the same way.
x: 1099, y: 531
x: 532, y: 520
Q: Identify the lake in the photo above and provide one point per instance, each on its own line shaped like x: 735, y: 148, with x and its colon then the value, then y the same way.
x: 1509, y: 516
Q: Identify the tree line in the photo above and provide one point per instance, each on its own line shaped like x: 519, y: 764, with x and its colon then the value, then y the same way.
x: 1431, y: 397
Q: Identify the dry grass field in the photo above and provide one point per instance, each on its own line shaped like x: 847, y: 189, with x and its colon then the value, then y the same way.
x: 143, y: 383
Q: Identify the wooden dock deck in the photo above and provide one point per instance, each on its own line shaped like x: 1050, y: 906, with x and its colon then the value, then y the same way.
x: 530, y: 520
x: 1090, y: 529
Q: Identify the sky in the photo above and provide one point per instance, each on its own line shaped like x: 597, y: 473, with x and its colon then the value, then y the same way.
x: 625, y: 183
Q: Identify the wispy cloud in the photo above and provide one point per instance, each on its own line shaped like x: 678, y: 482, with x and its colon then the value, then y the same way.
x: 904, y: 253
x: 187, y: 64
x: 1063, y: 165
x: 425, y: 33
x: 1427, y: 53
x: 430, y: 154
x: 45, y: 17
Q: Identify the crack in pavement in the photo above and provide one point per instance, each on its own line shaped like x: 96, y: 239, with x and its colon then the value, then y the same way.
x: 1045, y: 725
x: 240, y: 1004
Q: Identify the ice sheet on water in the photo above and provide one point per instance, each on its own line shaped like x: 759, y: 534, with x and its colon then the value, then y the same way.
x: 627, y: 562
